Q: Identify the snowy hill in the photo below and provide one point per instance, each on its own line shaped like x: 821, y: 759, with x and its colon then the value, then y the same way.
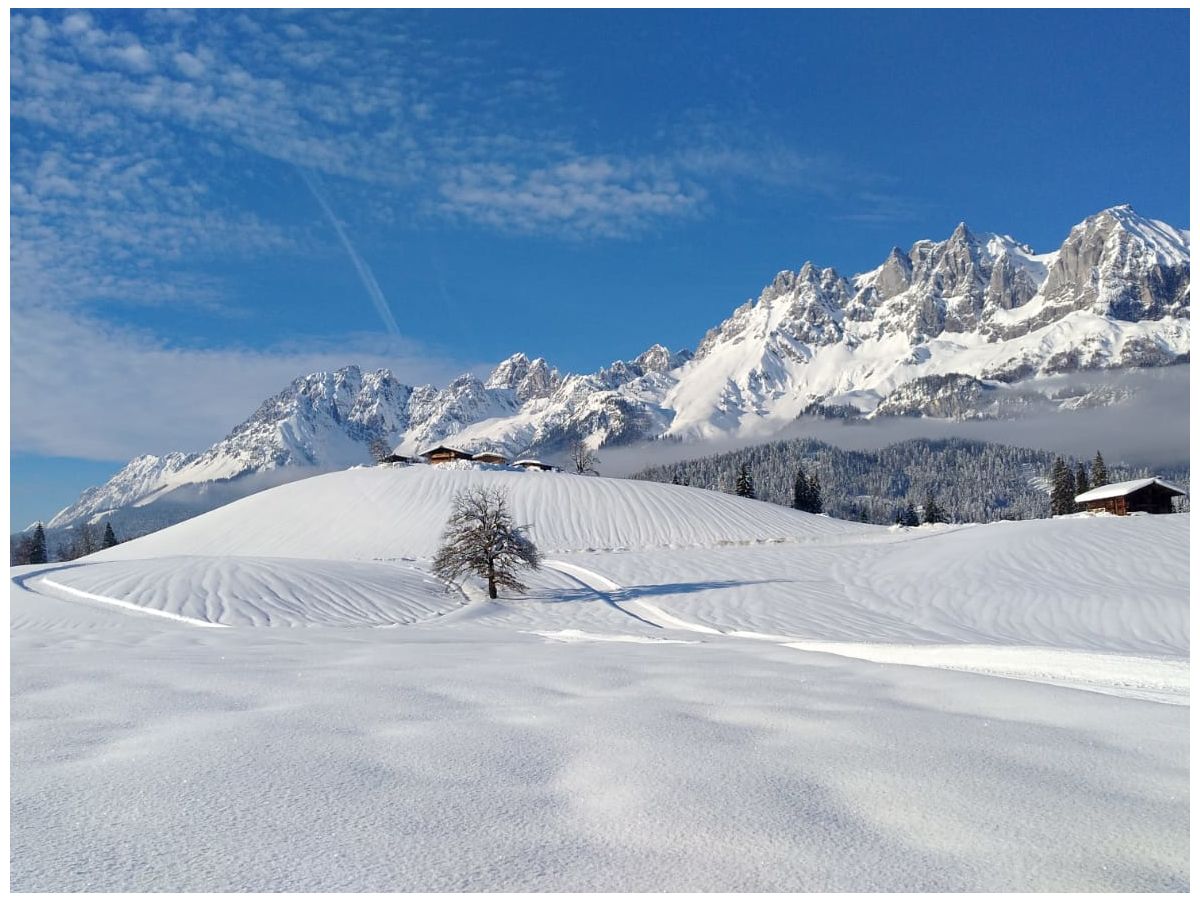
x: 266, y: 696
x: 724, y: 563
x: 385, y: 512
x: 970, y: 326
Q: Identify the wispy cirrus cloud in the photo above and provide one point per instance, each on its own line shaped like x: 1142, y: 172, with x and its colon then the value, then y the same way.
x: 373, y: 99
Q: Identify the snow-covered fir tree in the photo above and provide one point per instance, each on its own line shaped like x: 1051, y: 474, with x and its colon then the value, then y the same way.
x: 745, y: 482
x: 1099, y: 471
x: 932, y: 512
x: 1062, y: 488
x: 1081, y: 482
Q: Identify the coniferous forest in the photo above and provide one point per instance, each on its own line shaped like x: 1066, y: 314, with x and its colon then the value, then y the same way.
x: 970, y: 481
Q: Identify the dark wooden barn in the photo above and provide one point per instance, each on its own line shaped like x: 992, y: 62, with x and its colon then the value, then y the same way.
x: 441, y: 454
x: 1148, y: 495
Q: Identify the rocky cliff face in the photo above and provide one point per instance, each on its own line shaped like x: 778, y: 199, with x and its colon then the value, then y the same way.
x: 956, y: 328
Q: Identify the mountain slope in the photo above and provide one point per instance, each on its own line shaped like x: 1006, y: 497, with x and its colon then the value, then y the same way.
x: 969, y: 326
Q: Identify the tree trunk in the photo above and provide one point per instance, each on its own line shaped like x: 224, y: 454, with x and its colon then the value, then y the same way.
x: 491, y: 582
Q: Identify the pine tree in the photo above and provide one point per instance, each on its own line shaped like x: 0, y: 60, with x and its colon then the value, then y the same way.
x: 1081, y: 483
x: 745, y: 482
x: 110, y: 538
x: 815, y: 504
x: 801, y: 492
x: 1099, y: 471
x: 934, y: 514
x: 481, y: 539
x: 908, y: 517
x: 37, y: 546
x: 1062, y: 489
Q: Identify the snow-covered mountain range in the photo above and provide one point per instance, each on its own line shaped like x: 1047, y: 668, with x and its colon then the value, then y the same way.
x: 970, y: 326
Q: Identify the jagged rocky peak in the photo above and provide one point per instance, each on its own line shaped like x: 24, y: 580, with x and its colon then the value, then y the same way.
x: 530, y: 379
x: 812, y: 280
x: 510, y: 372
x: 540, y: 381
x: 1120, y: 264
x: 381, y: 403
x: 659, y: 359
x: 895, y: 275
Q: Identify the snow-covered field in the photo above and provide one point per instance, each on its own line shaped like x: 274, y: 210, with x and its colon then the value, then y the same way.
x: 697, y: 692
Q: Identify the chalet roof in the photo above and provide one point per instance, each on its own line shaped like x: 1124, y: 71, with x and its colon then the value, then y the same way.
x: 532, y: 462
x: 1124, y: 488
x: 432, y: 450
x: 483, y: 454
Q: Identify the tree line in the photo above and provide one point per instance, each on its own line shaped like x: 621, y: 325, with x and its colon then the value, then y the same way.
x: 1067, y: 484
x: 30, y: 548
x: 966, y: 480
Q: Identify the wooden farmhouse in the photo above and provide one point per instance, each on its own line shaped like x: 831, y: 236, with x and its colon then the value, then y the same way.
x: 442, y: 454
x: 535, y: 464
x: 1148, y: 495
x: 487, y: 456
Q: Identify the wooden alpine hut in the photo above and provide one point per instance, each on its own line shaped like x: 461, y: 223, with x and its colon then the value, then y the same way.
x: 1147, y: 495
x: 443, y: 454
x: 536, y: 464
x: 493, y: 459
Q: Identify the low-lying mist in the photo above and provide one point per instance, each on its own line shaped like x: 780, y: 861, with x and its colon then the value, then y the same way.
x: 1148, y: 428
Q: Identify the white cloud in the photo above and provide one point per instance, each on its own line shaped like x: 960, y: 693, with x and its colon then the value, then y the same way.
x: 77, y: 23
x: 86, y: 389
x: 372, y: 98
x: 189, y: 64
x: 135, y: 57
x: 584, y: 195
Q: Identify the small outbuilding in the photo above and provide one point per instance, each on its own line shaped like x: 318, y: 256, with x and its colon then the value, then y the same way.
x: 535, y: 464
x: 494, y: 459
x: 443, y: 454
x: 395, y: 458
x: 1148, y: 495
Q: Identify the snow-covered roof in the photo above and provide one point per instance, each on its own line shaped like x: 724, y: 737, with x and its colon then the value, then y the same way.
x: 1122, y: 488
x: 532, y: 462
x: 485, y: 454
x: 463, y: 453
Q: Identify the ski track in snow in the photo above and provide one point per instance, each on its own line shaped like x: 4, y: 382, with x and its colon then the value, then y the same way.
x: 1161, y: 680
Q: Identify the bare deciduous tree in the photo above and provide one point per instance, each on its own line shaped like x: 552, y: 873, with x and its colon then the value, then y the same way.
x: 481, y: 539
x: 583, y: 458
x: 380, y: 450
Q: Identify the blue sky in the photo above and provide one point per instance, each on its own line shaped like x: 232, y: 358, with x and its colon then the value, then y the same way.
x: 576, y: 185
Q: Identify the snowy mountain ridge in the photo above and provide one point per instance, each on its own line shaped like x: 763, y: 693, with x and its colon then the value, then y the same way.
x: 964, y: 327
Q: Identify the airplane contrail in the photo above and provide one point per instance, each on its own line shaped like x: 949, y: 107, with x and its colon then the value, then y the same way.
x: 364, y: 271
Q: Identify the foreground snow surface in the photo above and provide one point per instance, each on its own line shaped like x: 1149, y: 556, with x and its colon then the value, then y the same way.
x: 696, y: 693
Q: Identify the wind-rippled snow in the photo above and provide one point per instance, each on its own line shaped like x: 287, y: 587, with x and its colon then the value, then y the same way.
x: 698, y: 692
